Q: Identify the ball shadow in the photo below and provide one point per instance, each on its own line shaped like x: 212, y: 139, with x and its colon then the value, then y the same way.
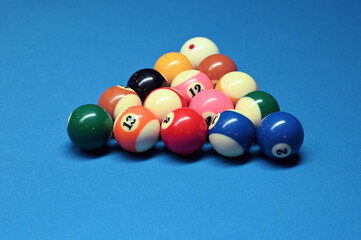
x: 233, y: 161
x: 184, y: 159
x: 136, y: 157
x: 83, y: 155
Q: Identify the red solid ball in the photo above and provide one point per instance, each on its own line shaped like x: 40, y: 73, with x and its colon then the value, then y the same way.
x: 184, y: 131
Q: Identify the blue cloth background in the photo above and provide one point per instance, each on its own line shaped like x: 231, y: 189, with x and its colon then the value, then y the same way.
x: 58, y: 55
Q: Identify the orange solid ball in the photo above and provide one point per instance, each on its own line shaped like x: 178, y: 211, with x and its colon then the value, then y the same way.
x: 171, y: 64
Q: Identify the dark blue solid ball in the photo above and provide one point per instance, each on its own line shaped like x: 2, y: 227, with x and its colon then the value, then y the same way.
x: 280, y: 135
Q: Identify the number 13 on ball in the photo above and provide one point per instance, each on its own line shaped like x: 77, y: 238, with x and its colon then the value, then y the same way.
x: 136, y: 129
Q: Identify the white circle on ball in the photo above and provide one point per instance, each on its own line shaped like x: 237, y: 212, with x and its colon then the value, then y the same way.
x: 167, y: 121
x: 215, y: 120
x: 208, y: 116
x: 129, y: 122
x: 281, y: 150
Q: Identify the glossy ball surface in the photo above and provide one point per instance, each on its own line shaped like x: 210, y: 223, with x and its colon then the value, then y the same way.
x: 216, y: 66
x: 209, y: 103
x: 231, y: 134
x: 198, y: 48
x: 189, y: 83
x: 163, y: 101
x: 145, y: 81
x: 89, y: 127
x: 236, y: 84
x: 118, y: 98
x: 184, y: 131
x: 171, y: 64
x: 136, y: 129
x: 280, y: 135
x: 257, y: 105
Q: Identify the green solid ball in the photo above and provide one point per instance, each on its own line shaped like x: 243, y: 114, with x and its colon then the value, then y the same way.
x: 90, y: 127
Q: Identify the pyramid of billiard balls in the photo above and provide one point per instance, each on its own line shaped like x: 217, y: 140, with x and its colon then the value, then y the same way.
x: 187, y: 97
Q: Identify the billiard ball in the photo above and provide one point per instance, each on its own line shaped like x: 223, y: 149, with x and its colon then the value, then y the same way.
x: 216, y: 66
x: 256, y: 105
x: 280, y: 135
x: 236, y: 85
x: 198, y: 48
x: 162, y: 101
x: 210, y: 102
x: 136, y: 129
x: 191, y: 82
x: 89, y: 127
x: 183, y: 131
x: 231, y: 134
x: 146, y: 80
x: 171, y: 64
x: 118, y: 98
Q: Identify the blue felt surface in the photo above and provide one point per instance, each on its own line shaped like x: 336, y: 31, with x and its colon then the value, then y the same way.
x: 57, y: 55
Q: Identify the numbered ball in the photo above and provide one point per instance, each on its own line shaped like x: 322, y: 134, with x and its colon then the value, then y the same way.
x: 209, y: 103
x: 280, y: 135
x: 216, y: 66
x: 236, y: 84
x: 136, y: 129
x: 89, y: 127
x: 171, y: 64
x: 118, y: 98
x: 191, y: 82
x: 163, y: 101
x: 231, y: 134
x: 145, y: 81
x: 184, y: 131
x: 257, y: 105
x: 198, y: 48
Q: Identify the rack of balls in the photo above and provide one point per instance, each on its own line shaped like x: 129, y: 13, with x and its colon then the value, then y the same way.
x: 186, y: 98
